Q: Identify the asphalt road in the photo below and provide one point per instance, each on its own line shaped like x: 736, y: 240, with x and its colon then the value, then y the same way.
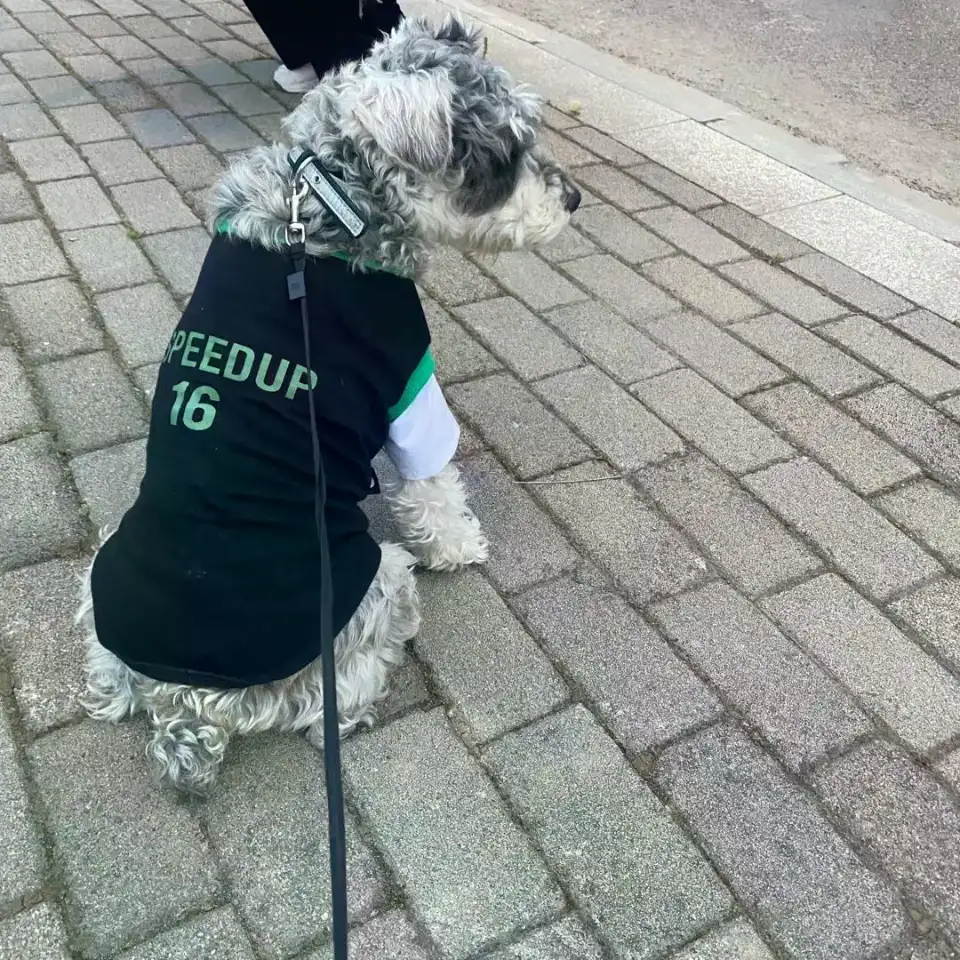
x: 876, y: 79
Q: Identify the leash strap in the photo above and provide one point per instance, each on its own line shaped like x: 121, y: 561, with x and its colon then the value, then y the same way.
x: 297, y: 290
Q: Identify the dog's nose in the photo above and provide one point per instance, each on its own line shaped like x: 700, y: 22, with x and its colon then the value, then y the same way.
x: 572, y: 199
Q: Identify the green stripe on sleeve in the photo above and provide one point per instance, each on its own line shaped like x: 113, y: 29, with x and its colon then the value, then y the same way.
x: 418, y: 379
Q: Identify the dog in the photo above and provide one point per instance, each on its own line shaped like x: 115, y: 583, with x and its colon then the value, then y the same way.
x: 201, y: 609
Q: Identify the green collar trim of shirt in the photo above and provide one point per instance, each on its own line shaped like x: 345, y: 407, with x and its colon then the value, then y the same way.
x: 226, y: 230
x: 418, y: 380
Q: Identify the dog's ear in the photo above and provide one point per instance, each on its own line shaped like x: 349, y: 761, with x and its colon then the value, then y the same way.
x: 409, y: 116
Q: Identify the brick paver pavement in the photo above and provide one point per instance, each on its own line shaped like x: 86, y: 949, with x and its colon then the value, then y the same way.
x: 704, y: 702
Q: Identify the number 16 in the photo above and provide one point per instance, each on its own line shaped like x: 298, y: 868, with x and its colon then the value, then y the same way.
x: 198, y: 414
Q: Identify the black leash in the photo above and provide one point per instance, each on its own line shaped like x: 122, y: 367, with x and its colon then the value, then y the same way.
x: 297, y: 290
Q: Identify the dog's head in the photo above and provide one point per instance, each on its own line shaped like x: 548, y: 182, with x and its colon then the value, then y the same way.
x: 451, y: 139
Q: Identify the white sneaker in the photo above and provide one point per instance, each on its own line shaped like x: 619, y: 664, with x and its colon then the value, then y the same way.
x: 295, y: 81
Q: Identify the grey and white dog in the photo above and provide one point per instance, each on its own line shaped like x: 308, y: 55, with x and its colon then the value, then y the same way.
x: 435, y: 145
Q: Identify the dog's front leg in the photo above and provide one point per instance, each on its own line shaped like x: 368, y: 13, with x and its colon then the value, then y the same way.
x: 435, y: 522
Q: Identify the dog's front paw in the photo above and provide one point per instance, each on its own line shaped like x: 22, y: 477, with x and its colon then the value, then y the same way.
x: 462, y: 544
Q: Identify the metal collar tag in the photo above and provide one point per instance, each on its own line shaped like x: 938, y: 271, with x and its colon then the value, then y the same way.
x: 323, y: 186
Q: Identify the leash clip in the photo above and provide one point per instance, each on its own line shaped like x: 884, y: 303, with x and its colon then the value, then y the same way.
x: 296, y: 232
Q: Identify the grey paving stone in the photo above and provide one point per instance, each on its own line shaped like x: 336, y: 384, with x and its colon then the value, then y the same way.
x: 932, y: 439
x: 470, y: 873
x: 675, y: 187
x: 625, y: 291
x: 734, y: 941
x: 800, y: 711
x: 949, y: 769
x: 140, y: 320
x: 23, y: 865
x: 157, y: 128
x: 896, y: 356
x: 890, y: 674
x: 520, y: 339
x: 12, y: 91
x: 646, y: 556
x: 212, y: 936
x: 98, y: 25
x: 38, y: 514
x: 859, y: 541
x: 932, y: 948
x: 848, y: 285
x: 214, y: 73
x: 24, y: 121
x: 604, y: 146
x: 517, y: 425
x: 114, y: 894
x: 61, y: 92
x: 703, y: 290
x: 152, y: 206
x: 108, y: 481
x: 806, y: 355
x: 454, y: 280
x: 96, y: 67
x: 783, y: 292
x: 488, y: 668
x: 42, y: 645
x: 261, y: 72
x: 44, y: 22
x: 200, y: 28
x: 27, y: 252
x: 643, y: 693
x: 907, y: 821
x: 529, y: 278
x: 106, y: 258
x: 610, y: 342
x: 268, y: 125
x: 805, y: 886
x: 939, y: 335
x: 52, y: 319
x: 622, y: 191
x: 18, y: 412
x: 458, y: 356
x: 119, y: 161
x: 189, y: 167
x: 146, y: 377
x: 35, y: 934
x: 711, y: 421
x: 154, y: 71
x: 620, y: 427
x: 90, y: 401
x: 15, y: 200
x: 50, y: 158
x: 13, y: 39
x: 224, y: 132
x: 388, y: 937
x: 929, y: 512
x: 569, y: 245
x: 561, y: 940
x: 607, y: 835
x: 33, y: 64
x: 234, y: 51
x: 180, y: 50
x: 755, y: 233
x: 87, y: 123
x: 692, y: 235
x: 125, y: 47
x: 933, y: 613
x: 713, y: 353
x: 741, y: 536
x: 69, y: 44
x: 248, y: 100
x: 818, y: 428
x: 189, y: 99
x: 567, y: 153
x: 178, y: 255
x: 122, y: 96
x: 273, y: 848
x: 525, y: 545
x: 75, y: 204
x: 615, y: 231
x: 149, y: 27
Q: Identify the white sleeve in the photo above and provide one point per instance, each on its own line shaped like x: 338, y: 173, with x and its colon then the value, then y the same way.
x: 424, y: 438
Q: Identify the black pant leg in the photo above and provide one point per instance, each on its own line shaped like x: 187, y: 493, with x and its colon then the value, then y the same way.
x: 280, y: 21
x: 346, y: 35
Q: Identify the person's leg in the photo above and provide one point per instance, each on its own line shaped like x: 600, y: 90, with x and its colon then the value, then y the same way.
x: 345, y: 34
x: 280, y: 21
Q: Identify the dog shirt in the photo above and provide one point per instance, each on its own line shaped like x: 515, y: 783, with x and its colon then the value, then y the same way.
x: 213, y: 576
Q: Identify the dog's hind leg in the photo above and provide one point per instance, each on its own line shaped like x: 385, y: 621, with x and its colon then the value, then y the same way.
x: 112, y: 691
x: 436, y: 523
x: 370, y: 646
x: 185, y: 751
